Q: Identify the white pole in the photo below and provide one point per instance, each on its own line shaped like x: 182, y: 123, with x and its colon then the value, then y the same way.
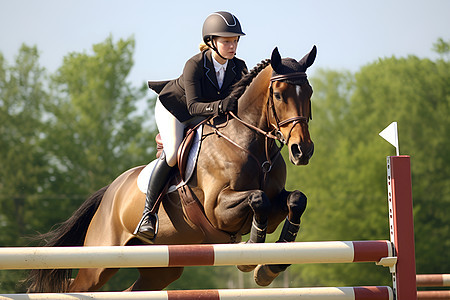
x: 192, y: 255
x: 322, y: 293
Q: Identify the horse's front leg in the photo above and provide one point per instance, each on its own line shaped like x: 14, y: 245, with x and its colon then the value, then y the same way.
x: 261, y: 206
x: 296, y: 202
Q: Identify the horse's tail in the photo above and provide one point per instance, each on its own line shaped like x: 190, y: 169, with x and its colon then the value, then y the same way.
x: 69, y: 233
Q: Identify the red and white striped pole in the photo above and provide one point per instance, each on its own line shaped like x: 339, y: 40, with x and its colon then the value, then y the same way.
x: 325, y: 293
x: 433, y: 295
x: 193, y: 255
x: 433, y: 280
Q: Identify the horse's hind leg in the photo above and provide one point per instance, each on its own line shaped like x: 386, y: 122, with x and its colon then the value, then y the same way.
x: 91, y: 279
x: 155, y: 279
x: 296, y: 202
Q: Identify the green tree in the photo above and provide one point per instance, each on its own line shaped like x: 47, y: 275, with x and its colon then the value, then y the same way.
x: 442, y: 47
x: 346, y: 179
x: 23, y: 160
x: 95, y: 130
x: 416, y: 93
x: 57, y: 147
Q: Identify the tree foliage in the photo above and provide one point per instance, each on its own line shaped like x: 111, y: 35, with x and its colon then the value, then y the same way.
x: 23, y: 161
x: 346, y: 179
x: 93, y: 112
x: 67, y: 134
x: 64, y: 136
x: 442, y: 47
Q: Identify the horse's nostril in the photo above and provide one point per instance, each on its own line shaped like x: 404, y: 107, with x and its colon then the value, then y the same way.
x: 296, y: 150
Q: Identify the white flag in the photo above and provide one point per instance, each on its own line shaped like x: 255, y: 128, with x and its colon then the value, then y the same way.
x: 390, y: 134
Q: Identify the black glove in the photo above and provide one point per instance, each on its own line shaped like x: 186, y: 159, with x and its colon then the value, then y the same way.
x: 228, y: 104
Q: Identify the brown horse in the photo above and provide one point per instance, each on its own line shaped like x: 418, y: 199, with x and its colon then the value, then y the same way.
x: 239, y: 182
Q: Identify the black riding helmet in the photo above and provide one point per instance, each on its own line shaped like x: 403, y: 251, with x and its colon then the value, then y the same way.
x: 222, y: 24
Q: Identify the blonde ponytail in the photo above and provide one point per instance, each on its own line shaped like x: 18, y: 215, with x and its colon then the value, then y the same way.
x: 203, y: 47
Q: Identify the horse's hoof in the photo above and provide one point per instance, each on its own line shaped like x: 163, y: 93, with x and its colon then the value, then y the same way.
x: 246, y: 268
x: 263, y: 275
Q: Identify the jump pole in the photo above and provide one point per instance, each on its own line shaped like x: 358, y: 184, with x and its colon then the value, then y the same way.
x: 401, y: 226
x: 433, y: 280
x: 329, y: 293
x: 433, y: 295
x: 193, y: 255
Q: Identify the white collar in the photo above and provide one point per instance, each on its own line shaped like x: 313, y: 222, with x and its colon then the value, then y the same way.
x: 217, y: 65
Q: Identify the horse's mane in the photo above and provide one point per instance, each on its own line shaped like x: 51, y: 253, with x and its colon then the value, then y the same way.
x: 240, y: 86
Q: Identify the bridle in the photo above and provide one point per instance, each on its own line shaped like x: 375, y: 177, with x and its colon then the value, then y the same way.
x: 270, y: 106
x: 295, y: 120
x: 273, y: 135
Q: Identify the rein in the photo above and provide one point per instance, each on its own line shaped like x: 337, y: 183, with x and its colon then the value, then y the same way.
x: 266, y: 166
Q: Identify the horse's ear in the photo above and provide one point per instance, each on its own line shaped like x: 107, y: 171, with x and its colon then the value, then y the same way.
x: 309, y: 58
x: 275, y: 60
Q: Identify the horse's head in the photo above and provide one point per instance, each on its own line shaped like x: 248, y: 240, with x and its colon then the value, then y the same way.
x: 289, y: 106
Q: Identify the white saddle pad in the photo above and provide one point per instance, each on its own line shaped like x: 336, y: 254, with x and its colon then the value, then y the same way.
x: 144, y: 176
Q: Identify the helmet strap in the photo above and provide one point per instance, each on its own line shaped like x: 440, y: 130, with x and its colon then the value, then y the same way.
x: 213, y: 47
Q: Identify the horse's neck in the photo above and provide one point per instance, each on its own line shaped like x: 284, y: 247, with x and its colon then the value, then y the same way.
x: 252, y: 104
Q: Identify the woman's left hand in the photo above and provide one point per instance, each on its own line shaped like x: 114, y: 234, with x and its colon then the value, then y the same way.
x: 228, y: 104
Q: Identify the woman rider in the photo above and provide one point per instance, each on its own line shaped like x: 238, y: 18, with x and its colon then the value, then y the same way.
x: 202, y: 90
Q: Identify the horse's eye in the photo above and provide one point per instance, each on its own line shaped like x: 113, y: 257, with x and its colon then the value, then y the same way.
x: 277, y: 96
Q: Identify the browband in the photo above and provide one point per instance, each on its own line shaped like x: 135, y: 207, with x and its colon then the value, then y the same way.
x: 288, y: 76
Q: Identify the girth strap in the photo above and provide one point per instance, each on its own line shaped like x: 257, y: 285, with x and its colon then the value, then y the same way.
x: 194, y: 211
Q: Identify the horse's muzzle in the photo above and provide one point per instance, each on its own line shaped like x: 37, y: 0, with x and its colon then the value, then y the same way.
x: 300, y: 153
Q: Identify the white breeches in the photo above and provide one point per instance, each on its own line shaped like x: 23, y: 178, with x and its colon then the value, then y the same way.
x: 171, y: 131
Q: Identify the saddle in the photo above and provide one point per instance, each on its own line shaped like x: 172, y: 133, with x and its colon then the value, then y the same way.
x: 183, y: 150
x: 186, y: 163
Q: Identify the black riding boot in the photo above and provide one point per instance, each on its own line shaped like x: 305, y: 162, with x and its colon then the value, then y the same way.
x: 148, y: 224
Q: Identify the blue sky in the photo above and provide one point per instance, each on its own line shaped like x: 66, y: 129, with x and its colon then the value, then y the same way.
x: 348, y: 34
